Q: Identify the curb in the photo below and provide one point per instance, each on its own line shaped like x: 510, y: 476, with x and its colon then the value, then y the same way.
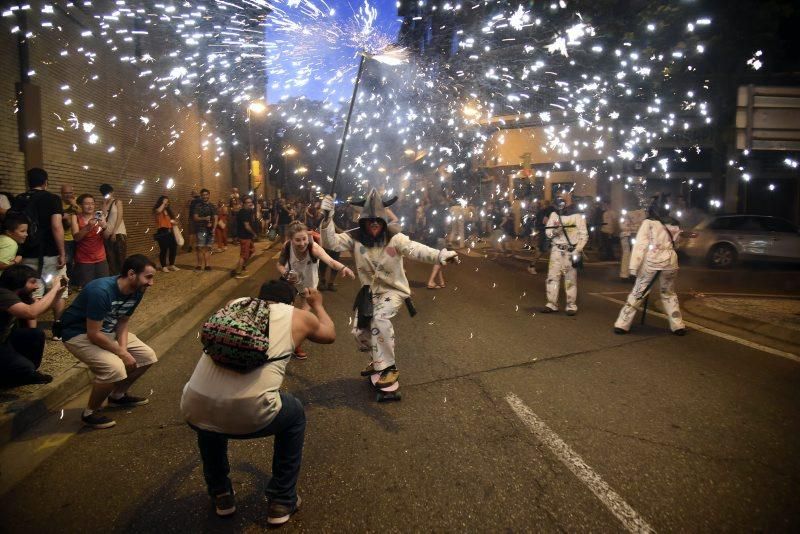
x: 25, y: 412
x: 741, y: 322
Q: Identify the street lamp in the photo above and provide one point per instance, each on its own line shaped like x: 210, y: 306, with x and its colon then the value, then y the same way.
x: 256, y: 108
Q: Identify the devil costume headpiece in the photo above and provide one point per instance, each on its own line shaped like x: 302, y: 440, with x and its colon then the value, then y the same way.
x: 659, y: 209
x: 370, y: 208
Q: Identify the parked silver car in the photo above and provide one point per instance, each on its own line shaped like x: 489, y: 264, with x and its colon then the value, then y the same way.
x: 725, y: 239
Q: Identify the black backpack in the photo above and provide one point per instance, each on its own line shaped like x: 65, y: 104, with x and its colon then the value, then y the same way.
x: 25, y: 205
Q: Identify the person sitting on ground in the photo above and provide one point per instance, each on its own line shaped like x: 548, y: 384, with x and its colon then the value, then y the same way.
x: 22, y: 347
x: 96, y: 333
x: 221, y: 404
x: 16, y: 232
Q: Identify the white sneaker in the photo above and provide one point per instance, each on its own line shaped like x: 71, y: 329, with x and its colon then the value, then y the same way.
x: 174, y: 268
x: 165, y: 269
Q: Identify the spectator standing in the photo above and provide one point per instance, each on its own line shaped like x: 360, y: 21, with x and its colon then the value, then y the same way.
x: 247, y: 232
x: 205, y: 219
x: 191, y: 236
x: 234, y: 205
x: 90, y: 252
x: 96, y: 333
x: 115, y: 234
x: 16, y: 232
x: 221, y: 231
x: 70, y: 208
x: 22, y: 347
x: 165, y: 235
x: 222, y: 404
x: 44, y: 249
x: 284, y: 217
x: 608, y: 229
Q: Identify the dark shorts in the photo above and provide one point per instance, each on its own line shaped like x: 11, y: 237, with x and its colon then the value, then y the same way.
x: 205, y: 237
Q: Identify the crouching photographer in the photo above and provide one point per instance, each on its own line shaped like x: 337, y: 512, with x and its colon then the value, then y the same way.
x: 21, y: 345
x: 234, y: 391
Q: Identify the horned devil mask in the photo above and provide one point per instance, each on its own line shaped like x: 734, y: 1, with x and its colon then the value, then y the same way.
x: 372, y: 218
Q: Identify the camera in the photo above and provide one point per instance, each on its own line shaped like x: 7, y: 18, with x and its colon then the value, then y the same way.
x: 98, y: 214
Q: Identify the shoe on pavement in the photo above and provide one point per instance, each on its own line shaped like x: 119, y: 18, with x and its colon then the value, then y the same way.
x: 389, y: 376
x: 165, y: 269
x: 96, y: 420
x: 548, y: 309
x: 368, y: 370
x: 680, y: 332
x: 36, y: 378
x: 57, y: 330
x: 620, y: 331
x: 127, y: 401
x: 300, y: 354
x: 174, y: 268
x: 198, y: 268
x: 278, y: 514
x: 208, y: 267
x: 225, y: 503
x: 572, y: 312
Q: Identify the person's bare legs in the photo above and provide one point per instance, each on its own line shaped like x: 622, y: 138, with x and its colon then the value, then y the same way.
x: 437, y: 269
x: 99, y: 394
x: 121, y: 387
x: 441, y: 276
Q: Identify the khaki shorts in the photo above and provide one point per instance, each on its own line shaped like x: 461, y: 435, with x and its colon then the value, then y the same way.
x: 50, y: 270
x: 107, y: 366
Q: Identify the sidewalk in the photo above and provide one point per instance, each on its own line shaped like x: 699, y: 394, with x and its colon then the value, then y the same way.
x: 172, y: 295
x: 773, y: 317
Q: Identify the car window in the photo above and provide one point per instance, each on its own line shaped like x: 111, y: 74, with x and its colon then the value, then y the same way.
x: 753, y: 224
x: 723, y: 223
x: 779, y: 225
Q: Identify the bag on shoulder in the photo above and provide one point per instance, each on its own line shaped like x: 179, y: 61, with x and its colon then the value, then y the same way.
x: 237, y: 335
x: 25, y: 205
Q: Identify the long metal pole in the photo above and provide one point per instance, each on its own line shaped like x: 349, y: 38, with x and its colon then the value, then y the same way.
x: 347, y: 123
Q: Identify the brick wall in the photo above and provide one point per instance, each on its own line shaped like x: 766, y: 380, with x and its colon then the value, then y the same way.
x: 179, y: 140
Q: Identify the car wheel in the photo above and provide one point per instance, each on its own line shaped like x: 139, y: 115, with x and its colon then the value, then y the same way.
x: 722, y: 256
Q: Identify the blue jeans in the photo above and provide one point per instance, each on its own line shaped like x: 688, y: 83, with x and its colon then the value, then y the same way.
x: 288, y: 427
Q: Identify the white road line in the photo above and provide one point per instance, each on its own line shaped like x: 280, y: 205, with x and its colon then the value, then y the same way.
x: 723, y: 335
x: 631, y: 520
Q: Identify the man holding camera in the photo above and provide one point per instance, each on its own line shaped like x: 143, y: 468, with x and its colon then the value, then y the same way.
x: 566, y: 229
x: 96, y: 332
x: 21, y: 344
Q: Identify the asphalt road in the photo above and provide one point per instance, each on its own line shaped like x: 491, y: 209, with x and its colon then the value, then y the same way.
x: 510, y: 420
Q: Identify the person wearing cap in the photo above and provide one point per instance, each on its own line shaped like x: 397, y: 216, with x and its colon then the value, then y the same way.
x: 378, y: 248
x: 220, y: 404
x: 116, y: 237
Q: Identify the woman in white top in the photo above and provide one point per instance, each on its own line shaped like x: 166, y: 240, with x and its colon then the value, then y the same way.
x: 299, y: 265
x: 654, y: 257
x: 116, y: 237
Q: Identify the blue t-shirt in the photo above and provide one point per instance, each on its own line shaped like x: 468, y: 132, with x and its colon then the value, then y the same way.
x: 100, y: 300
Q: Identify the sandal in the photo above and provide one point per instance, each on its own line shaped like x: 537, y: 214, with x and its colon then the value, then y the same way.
x: 434, y: 287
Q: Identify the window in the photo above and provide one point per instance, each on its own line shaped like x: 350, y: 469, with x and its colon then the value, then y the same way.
x: 774, y: 224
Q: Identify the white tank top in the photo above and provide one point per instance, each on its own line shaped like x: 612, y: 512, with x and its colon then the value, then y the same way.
x: 113, y: 213
x: 229, y: 402
x: 307, y: 270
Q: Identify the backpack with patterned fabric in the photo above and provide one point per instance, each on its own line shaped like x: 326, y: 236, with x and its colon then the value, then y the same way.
x: 237, y: 335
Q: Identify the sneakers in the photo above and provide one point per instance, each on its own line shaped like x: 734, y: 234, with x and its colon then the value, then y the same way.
x: 174, y: 268
x: 165, y: 269
x: 548, y: 309
x: 57, y: 331
x: 36, y: 378
x: 127, y: 401
x: 368, y: 370
x: 680, y: 332
x: 225, y: 504
x: 620, y: 331
x: 96, y: 420
x: 389, y: 376
x: 571, y: 312
x: 278, y: 514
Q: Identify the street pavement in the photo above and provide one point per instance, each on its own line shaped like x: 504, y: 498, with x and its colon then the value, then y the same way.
x: 510, y: 420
